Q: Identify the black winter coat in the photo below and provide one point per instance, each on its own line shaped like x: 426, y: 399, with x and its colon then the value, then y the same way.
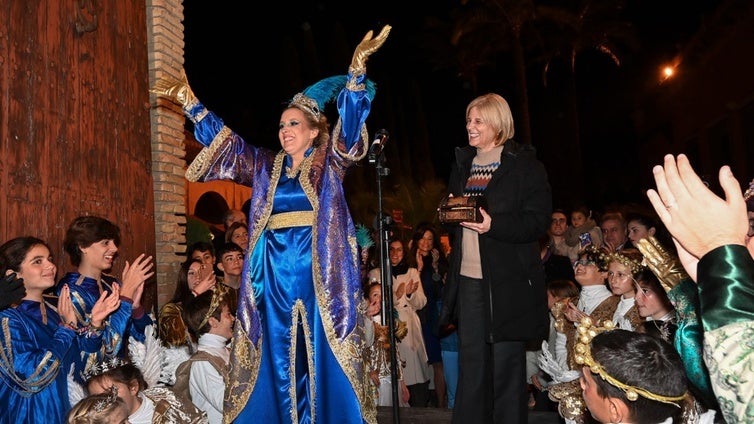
x: 519, y: 201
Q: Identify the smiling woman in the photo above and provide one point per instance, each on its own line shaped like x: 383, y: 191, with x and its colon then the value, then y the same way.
x: 297, y: 210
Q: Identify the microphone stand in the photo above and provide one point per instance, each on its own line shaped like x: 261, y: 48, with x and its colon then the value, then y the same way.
x: 386, y: 277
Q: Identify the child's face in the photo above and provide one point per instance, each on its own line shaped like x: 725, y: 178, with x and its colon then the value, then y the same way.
x: 577, y: 219
x: 621, y: 280
x: 224, y: 327
x: 375, y: 295
x: 232, y: 263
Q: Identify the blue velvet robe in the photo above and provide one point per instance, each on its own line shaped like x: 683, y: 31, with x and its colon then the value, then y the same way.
x: 84, y: 294
x: 297, y: 350
x: 35, y: 360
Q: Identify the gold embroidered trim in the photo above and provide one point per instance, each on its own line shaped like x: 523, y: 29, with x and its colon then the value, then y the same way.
x: 290, y: 219
x: 299, y: 313
x: 202, y: 162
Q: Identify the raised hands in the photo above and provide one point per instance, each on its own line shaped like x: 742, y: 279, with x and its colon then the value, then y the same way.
x: 66, y: 310
x: 178, y: 91
x: 697, y: 218
x: 105, y: 305
x: 406, y: 288
x: 206, y: 282
x: 134, y: 276
x: 366, y: 47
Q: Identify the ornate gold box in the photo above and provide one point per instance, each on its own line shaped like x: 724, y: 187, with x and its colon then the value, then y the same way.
x: 453, y: 210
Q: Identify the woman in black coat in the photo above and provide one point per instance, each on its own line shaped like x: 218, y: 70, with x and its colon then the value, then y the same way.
x: 496, y: 285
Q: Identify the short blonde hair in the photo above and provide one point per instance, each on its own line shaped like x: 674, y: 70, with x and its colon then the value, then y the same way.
x: 495, y: 111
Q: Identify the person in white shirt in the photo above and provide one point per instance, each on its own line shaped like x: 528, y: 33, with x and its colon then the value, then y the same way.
x: 204, y: 375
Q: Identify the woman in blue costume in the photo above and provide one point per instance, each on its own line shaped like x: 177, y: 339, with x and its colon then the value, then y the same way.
x: 40, y: 342
x: 92, y: 245
x: 298, y: 344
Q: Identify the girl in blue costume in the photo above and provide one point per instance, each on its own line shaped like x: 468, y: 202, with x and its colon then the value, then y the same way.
x: 39, y: 342
x: 298, y: 344
x: 92, y: 245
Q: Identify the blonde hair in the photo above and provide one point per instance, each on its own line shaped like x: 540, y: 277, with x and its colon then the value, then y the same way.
x: 97, y: 409
x: 496, y: 112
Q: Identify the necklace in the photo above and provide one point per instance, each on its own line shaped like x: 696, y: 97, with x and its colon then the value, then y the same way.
x: 292, y: 172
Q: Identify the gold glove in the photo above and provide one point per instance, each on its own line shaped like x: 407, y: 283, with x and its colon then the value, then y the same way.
x: 665, y: 265
x: 366, y: 47
x: 177, y: 91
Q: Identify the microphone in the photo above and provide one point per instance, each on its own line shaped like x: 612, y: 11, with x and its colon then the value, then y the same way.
x: 375, y: 150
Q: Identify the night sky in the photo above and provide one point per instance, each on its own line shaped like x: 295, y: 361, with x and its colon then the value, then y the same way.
x: 245, y: 64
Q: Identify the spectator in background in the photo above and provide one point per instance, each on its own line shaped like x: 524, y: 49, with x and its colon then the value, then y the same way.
x: 194, y: 278
x: 614, y: 231
x: 202, y: 378
x: 238, y: 234
x: 582, y: 222
x: 230, y: 262
x: 427, y: 256
x: 557, y: 232
x: 409, y: 297
x: 205, y: 252
x: 231, y: 216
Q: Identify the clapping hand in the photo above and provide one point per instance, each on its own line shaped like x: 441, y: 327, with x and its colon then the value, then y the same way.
x: 66, y: 311
x: 696, y: 217
x: 12, y: 290
x: 107, y: 303
x: 134, y: 276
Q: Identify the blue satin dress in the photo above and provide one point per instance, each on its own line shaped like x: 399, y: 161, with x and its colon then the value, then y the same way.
x: 297, y: 353
x: 35, y: 360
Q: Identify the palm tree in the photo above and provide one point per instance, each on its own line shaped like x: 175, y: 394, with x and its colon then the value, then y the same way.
x: 568, y: 31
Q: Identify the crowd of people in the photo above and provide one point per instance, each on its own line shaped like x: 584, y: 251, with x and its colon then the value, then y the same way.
x: 625, y: 315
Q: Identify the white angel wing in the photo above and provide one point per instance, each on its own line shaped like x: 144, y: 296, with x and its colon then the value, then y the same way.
x: 148, y: 356
x: 173, y: 357
x: 548, y: 364
x: 76, y: 391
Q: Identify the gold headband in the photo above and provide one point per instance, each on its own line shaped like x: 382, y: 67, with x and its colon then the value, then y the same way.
x: 584, y: 357
x: 634, y: 265
x: 305, y: 103
x: 217, y: 296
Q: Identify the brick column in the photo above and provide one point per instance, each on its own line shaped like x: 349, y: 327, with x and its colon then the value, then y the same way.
x: 165, y: 38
